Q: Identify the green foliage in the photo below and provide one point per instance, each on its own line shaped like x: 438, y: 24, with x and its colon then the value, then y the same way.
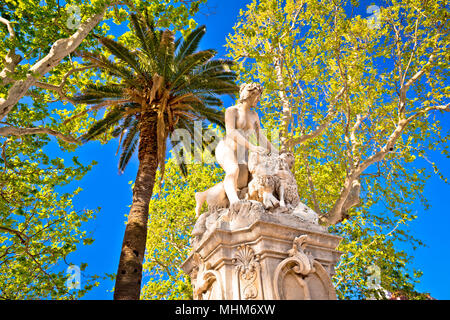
x: 323, y: 48
x: 39, y: 227
x: 167, y: 79
x: 170, y: 224
x: 38, y: 25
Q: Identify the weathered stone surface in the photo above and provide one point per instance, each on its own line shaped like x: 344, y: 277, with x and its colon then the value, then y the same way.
x: 272, y: 189
x: 256, y: 254
x: 257, y: 240
x: 268, y: 245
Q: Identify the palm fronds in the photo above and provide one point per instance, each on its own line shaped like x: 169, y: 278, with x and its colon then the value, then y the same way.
x: 168, y: 78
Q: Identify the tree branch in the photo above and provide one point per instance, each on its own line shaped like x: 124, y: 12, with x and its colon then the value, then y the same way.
x: 60, y: 49
x: 335, y: 215
x: 355, y: 160
x: 404, y: 88
x: 286, y: 109
x: 12, y: 59
x: 413, y: 52
x: 14, y: 131
x: 311, y: 186
x: 12, y: 34
x: 323, y: 126
x: 23, y: 238
x: 60, y: 88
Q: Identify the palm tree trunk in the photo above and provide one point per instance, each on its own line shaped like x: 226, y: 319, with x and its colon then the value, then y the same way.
x: 129, y: 273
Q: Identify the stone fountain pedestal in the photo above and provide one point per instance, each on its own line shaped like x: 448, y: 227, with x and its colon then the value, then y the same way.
x: 257, y: 254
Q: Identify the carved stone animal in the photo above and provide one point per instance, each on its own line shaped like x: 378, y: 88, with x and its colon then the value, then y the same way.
x: 272, y: 177
x: 287, y: 187
x: 263, y: 182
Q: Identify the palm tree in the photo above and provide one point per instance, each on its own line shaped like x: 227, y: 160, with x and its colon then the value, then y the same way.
x: 162, y: 85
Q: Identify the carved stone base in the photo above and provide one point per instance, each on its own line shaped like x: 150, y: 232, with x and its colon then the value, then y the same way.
x: 256, y: 254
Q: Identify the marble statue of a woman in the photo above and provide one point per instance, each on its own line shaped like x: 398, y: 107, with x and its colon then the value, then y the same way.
x: 241, y: 123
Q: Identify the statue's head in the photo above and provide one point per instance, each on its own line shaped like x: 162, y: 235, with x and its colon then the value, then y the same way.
x: 288, y: 158
x: 251, y: 91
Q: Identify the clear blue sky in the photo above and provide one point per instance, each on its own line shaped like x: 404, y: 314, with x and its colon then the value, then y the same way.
x: 104, y: 187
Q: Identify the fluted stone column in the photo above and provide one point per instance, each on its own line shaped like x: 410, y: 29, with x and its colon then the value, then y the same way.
x: 256, y: 254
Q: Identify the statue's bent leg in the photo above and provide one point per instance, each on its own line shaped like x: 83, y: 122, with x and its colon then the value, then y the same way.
x: 242, y: 180
x: 227, y: 160
x: 230, y: 182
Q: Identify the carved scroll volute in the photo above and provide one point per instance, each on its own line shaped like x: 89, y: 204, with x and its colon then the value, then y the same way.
x: 247, y: 280
x: 305, y: 263
x: 300, y: 276
x: 300, y: 263
x: 203, y: 278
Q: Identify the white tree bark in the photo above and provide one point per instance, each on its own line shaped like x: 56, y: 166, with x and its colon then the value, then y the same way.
x: 60, y: 49
x: 319, y: 129
x: 14, y: 131
x: 349, y: 196
x: 12, y: 59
